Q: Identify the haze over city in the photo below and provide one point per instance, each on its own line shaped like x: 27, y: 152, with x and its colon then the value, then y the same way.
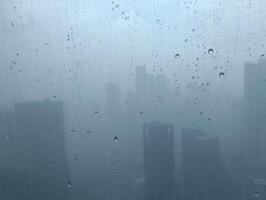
x: 155, y: 99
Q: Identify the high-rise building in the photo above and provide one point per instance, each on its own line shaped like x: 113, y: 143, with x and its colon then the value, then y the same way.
x: 159, y: 167
x: 204, y: 174
x: 113, y: 106
x: 9, y: 152
x: 14, y: 184
x: 141, y: 82
x: 255, y: 109
x: 40, y: 127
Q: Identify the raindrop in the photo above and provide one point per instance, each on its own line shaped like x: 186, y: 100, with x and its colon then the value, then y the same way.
x: 210, y: 51
x: 69, y: 184
x: 177, y: 56
x: 115, y: 139
x: 7, y: 137
x: 262, y: 56
x: 17, y: 54
x: 256, y: 194
x: 141, y: 113
x: 221, y: 74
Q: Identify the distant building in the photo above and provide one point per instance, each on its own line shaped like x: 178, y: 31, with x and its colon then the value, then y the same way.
x: 15, y: 185
x: 204, y: 174
x: 9, y: 152
x: 152, y: 95
x: 159, y: 164
x: 40, y: 127
x: 255, y: 105
x: 141, y: 82
x: 113, y: 106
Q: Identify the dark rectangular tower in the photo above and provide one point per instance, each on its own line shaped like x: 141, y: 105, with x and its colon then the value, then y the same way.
x: 255, y: 109
x: 41, y: 136
x: 204, y: 173
x: 159, y: 161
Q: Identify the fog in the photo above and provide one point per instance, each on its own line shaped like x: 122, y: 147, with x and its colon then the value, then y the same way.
x: 119, y: 96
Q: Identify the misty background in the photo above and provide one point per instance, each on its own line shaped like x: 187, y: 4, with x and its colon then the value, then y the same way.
x: 194, y: 51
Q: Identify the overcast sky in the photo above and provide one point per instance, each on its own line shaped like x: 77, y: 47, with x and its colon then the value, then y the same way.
x: 68, y: 47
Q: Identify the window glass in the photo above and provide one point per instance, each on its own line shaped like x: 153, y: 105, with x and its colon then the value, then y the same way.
x: 133, y: 100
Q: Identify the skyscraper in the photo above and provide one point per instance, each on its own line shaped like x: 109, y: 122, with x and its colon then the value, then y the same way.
x: 9, y: 152
x: 159, y: 161
x: 204, y: 174
x: 113, y: 106
x: 40, y: 127
x: 141, y: 82
x: 255, y: 105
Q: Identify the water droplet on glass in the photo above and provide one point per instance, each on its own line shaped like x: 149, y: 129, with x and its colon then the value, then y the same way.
x: 210, y: 51
x: 262, y: 56
x: 7, y: 138
x: 75, y: 158
x: 115, y: 139
x: 221, y: 74
x: 256, y: 194
x: 69, y: 184
x: 177, y: 56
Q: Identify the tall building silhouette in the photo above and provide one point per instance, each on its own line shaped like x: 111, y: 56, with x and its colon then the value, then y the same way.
x: 152, y: 95
x: 255, y: 105
x: 204, y: 174
x: 9, y: 151
x: 40, y: 127
x: 14, y: 184
x: 141, y: 82
x: 113, y: 107
x: 159, y: 161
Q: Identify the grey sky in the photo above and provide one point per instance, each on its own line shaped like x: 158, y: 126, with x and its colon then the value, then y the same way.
x: 60, y: 47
